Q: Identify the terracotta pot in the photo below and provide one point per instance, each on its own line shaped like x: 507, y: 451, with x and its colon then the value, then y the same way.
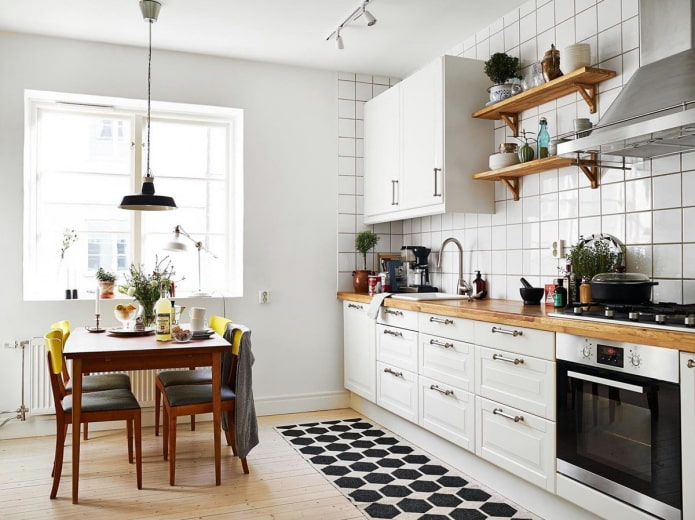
x: 360, y: 281
x: 106, y: 289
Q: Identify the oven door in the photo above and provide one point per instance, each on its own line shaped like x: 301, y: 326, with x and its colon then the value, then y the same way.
x: 621, y: 435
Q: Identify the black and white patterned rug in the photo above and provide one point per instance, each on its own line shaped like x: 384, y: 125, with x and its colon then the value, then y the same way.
x: 385, y: 477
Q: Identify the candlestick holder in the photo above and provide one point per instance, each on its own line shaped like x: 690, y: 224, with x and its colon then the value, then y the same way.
x: 96, y: 328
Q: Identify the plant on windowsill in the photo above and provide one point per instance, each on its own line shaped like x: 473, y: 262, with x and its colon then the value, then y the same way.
x: 364, y: 241
x: 107, y: 280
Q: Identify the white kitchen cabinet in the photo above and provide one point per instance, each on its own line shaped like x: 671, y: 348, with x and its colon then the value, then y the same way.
x: 522, y: 340
x: 687, y: 363
x: 397, y: 346
x: 517, y: 441
x: 359, y: 350
x: 516, y: 380
x: 448, y: 411
x: 447, y: 360
x: 397, y: 390
x: 439, y: 146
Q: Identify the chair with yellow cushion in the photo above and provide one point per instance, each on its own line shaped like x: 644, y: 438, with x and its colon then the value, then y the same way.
x: 90, y: 383
x: 195, y: 376
x: 100, y: 406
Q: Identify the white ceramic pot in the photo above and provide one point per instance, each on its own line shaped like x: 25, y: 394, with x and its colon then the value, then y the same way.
x: 575, y: 57
x: 500, y: 92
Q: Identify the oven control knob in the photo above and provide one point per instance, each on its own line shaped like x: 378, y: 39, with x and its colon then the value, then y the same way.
x: 586, y: 351
x: 635, y: 359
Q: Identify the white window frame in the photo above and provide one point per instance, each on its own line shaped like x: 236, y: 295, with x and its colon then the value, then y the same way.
x: 232, y: 118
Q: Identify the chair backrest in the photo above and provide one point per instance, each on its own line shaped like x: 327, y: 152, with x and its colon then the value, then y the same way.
x: 53, y: 340
x: 239, y: 331
x: 219, y: 324
x: 64, y: 327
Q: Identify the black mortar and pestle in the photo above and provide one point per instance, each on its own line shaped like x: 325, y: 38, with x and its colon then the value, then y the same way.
x: 530, y: 294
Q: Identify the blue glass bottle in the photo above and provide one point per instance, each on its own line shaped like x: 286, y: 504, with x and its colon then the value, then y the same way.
x: 543, y: 139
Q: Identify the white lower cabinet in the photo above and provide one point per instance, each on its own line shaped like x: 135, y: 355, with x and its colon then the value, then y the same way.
x: 516, y: 441
x: 397, y: 346
x: 687, y: 363
x: 448, y: 411
x: 359, y: 350
x: 397, y: 390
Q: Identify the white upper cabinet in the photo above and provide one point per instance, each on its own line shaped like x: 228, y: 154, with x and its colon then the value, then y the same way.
x: 422, y: 145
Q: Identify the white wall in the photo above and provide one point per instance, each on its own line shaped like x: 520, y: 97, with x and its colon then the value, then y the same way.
x: 290, y: 187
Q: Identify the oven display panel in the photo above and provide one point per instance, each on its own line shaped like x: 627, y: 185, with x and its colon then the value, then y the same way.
x: 607, y: 355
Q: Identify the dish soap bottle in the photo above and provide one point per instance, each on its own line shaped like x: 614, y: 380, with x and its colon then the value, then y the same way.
x: 560, y: 297
x: 480, y: 287
x: 543, y: 138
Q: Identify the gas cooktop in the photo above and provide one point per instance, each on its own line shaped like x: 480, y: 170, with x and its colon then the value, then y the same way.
x: 662, y: 315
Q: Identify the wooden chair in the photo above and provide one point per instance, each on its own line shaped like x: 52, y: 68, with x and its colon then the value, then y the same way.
x: 90, y: 383
x: 194, y: 376
x: 196, y: 399
x: 109, y: 405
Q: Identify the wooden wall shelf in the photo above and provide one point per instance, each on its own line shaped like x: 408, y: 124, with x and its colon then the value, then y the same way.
x: 583, y: 80
x: 509, y: 175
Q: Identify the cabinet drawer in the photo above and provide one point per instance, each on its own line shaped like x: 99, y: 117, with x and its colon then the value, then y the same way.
x: 537, y: 343
x: 397, y: 318
x: 447, y: 360
x: 447, y: 327
x: 397, y: 347
x: 397, y: 390
x: 518, y: 442
x: 447, y: 411
x: 521, y: 381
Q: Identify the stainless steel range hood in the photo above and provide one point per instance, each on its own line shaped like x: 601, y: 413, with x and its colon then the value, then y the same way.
x: 654, y: 114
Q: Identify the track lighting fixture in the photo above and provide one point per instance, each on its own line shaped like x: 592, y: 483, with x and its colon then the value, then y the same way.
x: 359, y: 11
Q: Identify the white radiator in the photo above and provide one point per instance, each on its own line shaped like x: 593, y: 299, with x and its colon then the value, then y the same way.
x: 41, y: 399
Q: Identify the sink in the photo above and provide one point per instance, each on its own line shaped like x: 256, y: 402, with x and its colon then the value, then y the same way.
x: 428, y: 296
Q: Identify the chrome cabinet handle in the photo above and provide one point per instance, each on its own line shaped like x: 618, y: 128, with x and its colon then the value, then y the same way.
x: 514, y: 333
x: 393, y: 192
x: 435, y: 182
x: 445, y: 321
x: 515, y: 418
x: 393, y: 372
x: 395, y: 313
x: 354, y: 306
x: 393, y: 333
x: 500, y: 357
x: 691, y: 363
x: 445, y: 392
x: 441, y: 343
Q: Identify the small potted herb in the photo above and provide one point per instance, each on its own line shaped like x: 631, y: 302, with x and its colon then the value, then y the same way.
x: 364, y: 241
x: 107, y: 281
x: 501, y: 68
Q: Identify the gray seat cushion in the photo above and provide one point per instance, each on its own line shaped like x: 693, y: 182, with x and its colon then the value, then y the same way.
x: 198, y: 376
x: 108, y: 400
x: 99, y: 382
x: 182, y: 395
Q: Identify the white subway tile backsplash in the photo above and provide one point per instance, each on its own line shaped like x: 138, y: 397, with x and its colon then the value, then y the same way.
x: 564, y: 10
x: 667, y: 226
x: 664, y: 165
x: 363, y: 91
x: 346, y: 127
x: 612, y: 198
x: 688, y: 183
x: 346, y: 147
x: 568, y: 230
x: 346, y: 108
x: 568, y: 204
x: 638, y: 195
x: 545, y: 17
x: 609, y: 14
x: 531, y: 262
x: 689, y: 224
x: 630, y: 65
x: 531, y: 235
x: 346, y: 90
x: 630, y: 33
x: 581, y: 5
x: 589, y: 202
x: 549, y: 207
x: 668, y: 291
x: 614, y: 225
x: 638, y: 228
x: 639, y: 259
x: 511, y: 36
x: 527, y: 8
x: 668, y: 261
x: 630, y: 8
x: 585, y: 22
x: 589, y: 225
x: 689, y: 261
x: 497, y: 42
x: 666, y: 191
x: 515, y: 237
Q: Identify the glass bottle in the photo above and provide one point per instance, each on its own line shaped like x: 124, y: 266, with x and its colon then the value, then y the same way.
x: 560, y: 296
x: 585, y: 290
x: 163, y: 312
x: 543, y: 138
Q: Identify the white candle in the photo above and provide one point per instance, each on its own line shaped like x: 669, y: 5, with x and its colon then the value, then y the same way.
x: 96, y: 305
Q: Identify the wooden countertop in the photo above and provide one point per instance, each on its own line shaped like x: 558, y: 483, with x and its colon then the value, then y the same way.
x: 509, y: 312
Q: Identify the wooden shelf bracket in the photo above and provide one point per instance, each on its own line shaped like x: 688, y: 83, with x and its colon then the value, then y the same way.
x: 590, y: 169
x: 513, y: 186
x: 588, y: 92
x: 512, y: 121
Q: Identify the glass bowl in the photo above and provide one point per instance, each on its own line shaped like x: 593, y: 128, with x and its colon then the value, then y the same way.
x: 181, y: 335
x: 125, y: 313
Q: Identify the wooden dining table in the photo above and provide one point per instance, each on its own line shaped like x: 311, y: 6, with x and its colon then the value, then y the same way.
x: 108, y: 352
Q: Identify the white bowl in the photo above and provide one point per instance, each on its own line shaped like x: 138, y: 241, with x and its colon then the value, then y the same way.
x: 501, y: 160
x: 575, y: 57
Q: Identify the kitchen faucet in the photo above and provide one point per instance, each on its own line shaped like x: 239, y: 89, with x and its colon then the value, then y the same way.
x: 462, y: 287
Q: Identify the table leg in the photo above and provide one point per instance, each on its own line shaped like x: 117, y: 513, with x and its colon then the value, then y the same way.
x: 76, y: 411
x: 217, y: 410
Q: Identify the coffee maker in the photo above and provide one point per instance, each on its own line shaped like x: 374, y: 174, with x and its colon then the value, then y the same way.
x: 417, y: 272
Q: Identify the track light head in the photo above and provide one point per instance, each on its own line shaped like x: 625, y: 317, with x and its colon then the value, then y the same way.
x: 368, y: 16
x: 339, y: 41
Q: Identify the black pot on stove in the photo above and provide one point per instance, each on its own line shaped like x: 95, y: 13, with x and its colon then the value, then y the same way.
x: 621, y: 288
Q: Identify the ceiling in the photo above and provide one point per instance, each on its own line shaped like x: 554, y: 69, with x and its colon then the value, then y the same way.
x: 408, y: 33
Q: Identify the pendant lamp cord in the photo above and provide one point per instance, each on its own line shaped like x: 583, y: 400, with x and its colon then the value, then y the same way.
x: 149, y: 86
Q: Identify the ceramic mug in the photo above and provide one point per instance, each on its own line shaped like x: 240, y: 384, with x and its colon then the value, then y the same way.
x: 582, y: 126
x: 198, y: 324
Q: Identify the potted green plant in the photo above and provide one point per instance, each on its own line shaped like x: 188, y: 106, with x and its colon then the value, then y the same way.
x: 364, y: 241
x: 107, y: 281
x: 589, y: 257
x: 525, y: 151
x: 500, y: 68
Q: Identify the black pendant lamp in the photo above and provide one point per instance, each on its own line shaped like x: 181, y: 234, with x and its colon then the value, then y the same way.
x: 147, y: 200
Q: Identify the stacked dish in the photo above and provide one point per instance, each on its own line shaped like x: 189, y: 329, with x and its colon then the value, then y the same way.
x: 575, y: 56
x: 501, y: 160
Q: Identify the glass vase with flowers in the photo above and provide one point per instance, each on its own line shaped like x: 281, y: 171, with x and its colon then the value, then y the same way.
x: 146, y: 288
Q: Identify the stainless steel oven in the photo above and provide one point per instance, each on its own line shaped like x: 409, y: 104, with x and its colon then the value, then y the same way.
x: 618, y: 421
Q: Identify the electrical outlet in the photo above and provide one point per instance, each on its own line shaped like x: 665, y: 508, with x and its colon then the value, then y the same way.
x: 263, y: 296
x: 10, y: 343
x: 557, y: 248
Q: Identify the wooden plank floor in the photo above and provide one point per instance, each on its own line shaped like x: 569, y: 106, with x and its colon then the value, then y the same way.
x: 281, y: 485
